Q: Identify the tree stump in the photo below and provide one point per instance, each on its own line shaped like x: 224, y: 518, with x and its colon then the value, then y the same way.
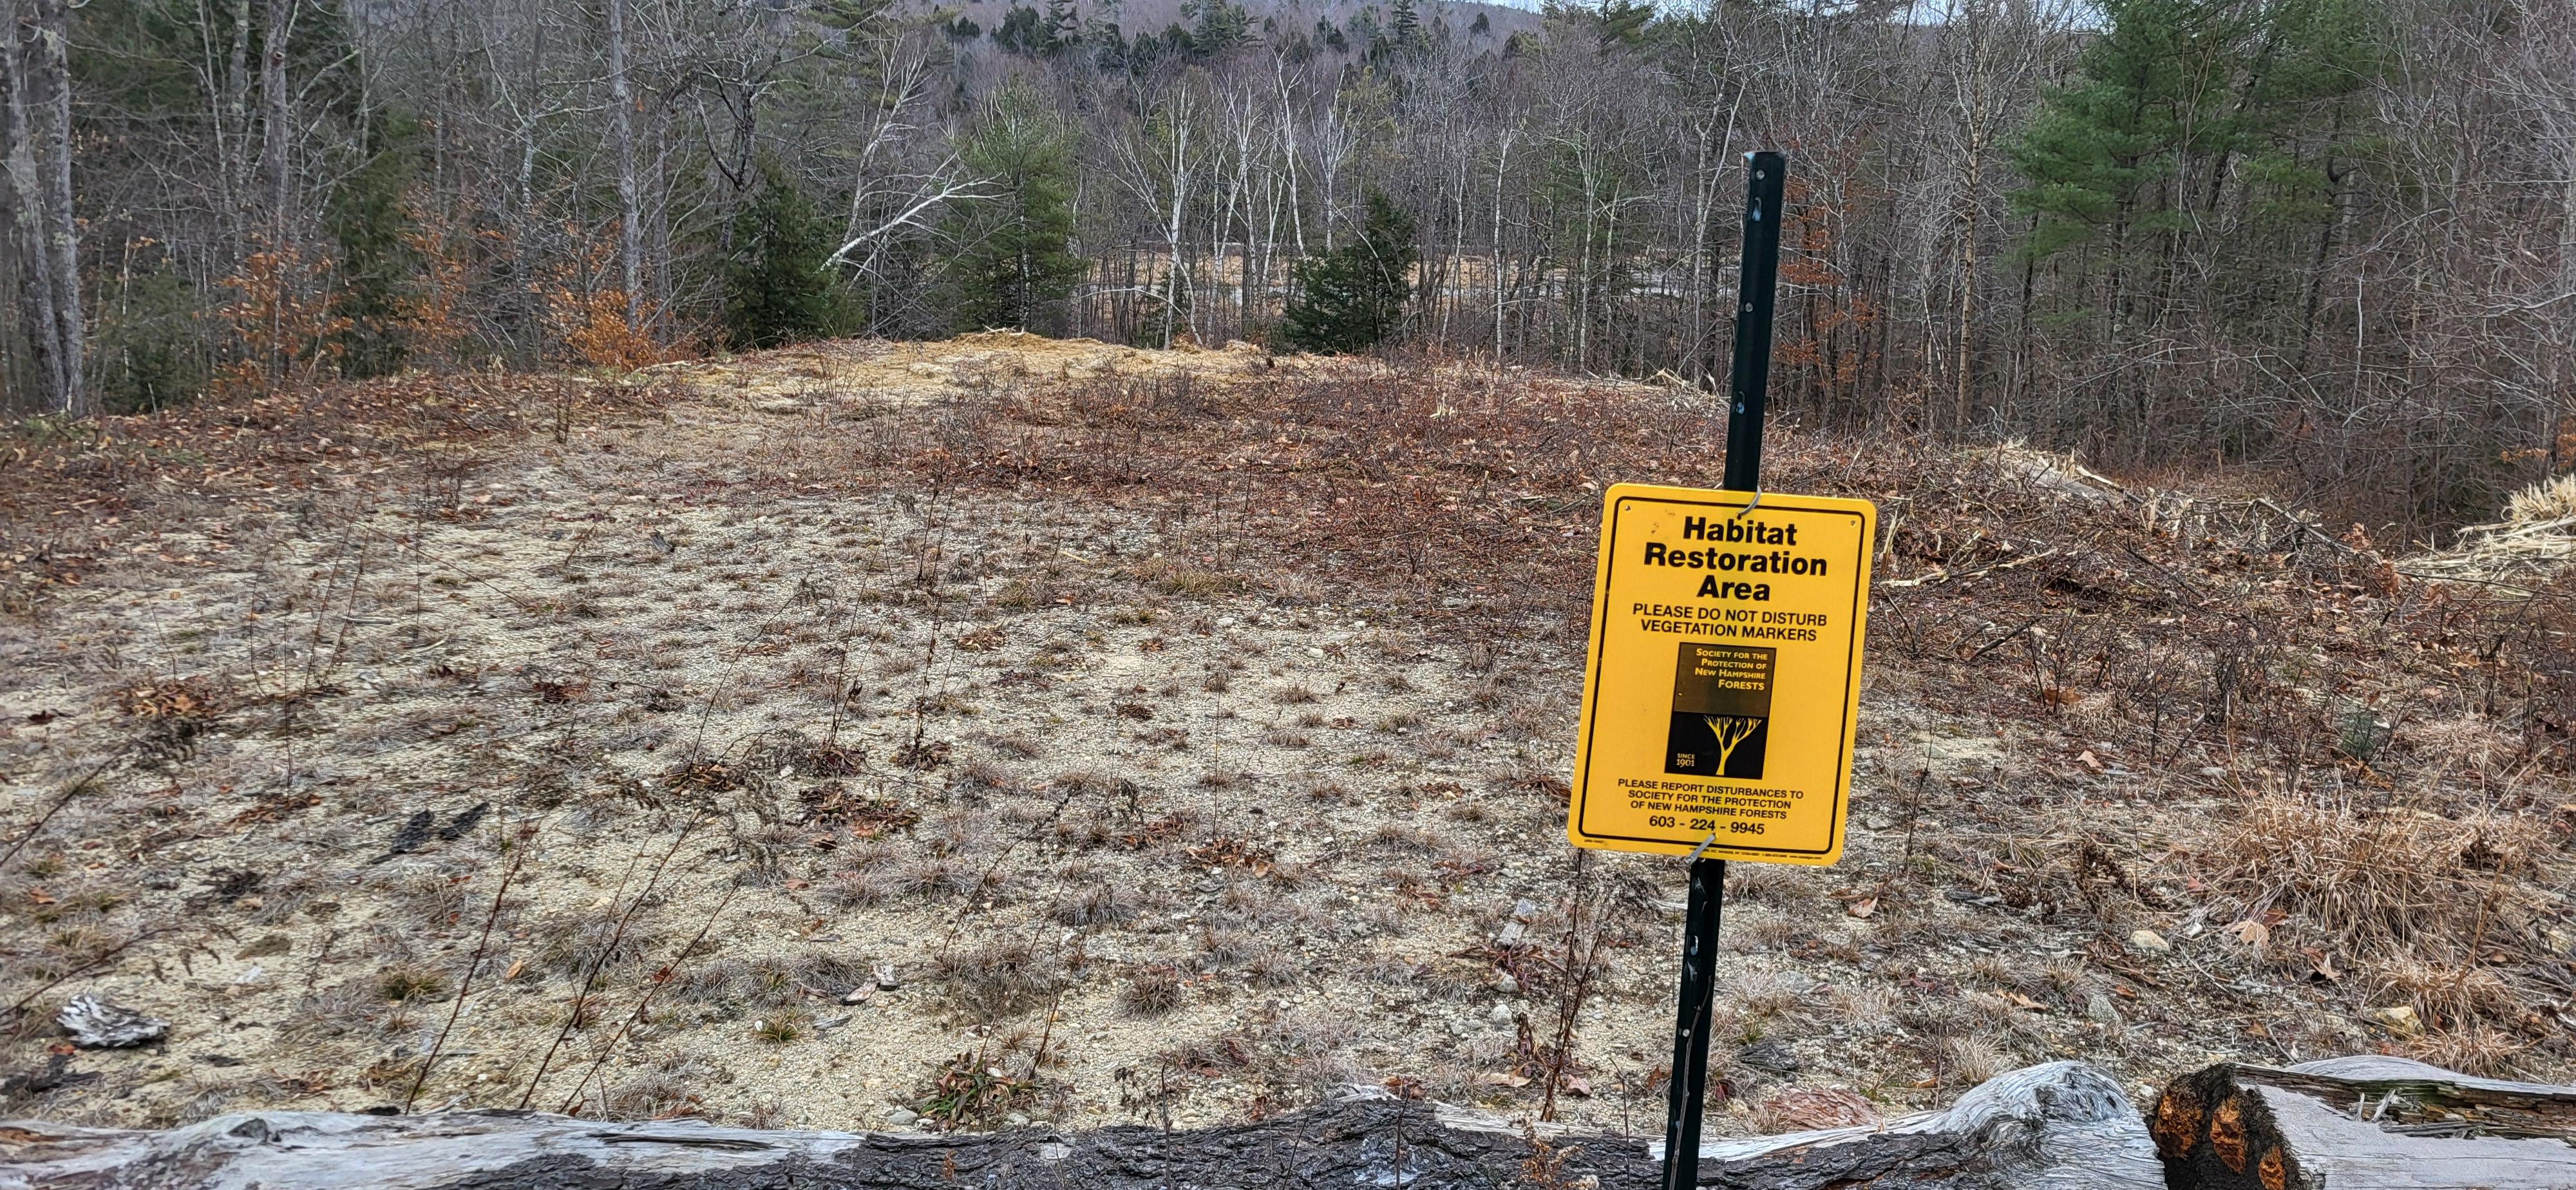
x: 2363, y: 1123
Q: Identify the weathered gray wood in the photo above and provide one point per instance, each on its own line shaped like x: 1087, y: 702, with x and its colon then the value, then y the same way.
x: 2054, y: 1126
x: 96, y: 1024
x: 2062, y: 1125
x: 2364, y: 1123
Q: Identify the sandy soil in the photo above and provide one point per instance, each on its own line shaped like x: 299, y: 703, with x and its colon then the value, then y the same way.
x: 1137, y: 815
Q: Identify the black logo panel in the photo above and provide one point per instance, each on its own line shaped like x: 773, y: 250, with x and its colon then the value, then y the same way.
x: 1721, y: 711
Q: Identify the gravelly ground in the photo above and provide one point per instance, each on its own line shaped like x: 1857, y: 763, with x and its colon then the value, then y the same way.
x: 742, y: 721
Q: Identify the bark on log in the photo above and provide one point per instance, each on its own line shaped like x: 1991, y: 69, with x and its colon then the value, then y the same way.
x: 2054, y: 1126
x: 2363, y: 1123
x: 2061, y: 1125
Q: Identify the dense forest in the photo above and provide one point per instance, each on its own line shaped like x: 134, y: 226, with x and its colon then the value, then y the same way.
x: 2334, y: 238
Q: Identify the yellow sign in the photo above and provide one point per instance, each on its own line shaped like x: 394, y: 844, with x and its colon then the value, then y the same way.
x: 1724, y: 678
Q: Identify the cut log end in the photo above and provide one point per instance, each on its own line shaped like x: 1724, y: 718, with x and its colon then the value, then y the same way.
x: 2362, y: 1124
x: 2217, y: 1136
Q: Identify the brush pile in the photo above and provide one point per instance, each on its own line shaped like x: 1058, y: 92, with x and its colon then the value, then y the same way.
x: 2518, y: 555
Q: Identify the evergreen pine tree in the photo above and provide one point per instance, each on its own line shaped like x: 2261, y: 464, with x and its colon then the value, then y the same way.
x: 1222, y: 25
x: 1623, y: 22
x: 848, y: 16
x: 1012, y: 263
x: 1103, y: 38
x: 2151, y: 91
x: 1108, y: 45
x: 1149, y: 49
x: 370, y: 223
x: 2303, y: 126
x: 1352, y: 298
x: 2195, y: 160
x: 1019, y: 32
x: 1404, y: 27
x: 778, y: 289
x: 1062, y: 29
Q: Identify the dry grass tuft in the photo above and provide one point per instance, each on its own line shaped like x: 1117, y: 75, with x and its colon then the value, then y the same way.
x: 2369, y: 880
x: 672, y: 1086
x: 781, y: 1027
x: 1154, y: 990
x: 2466, y: 743
x: 999, y: 977
x: 1097, y: 905
x: 859, y: 889
x: 1172, y: 577
x: 1800, y: 1109
x: 2476, y: 1049
x: 1769, y: 993
x: 1870, y: 1008
x: 2507, y: 844
x: 1272, y: 968
x: 2445, y: 996
x: 580, y: 941
x: 938, y: 877
x: 410, y: 981
x: 1967, y: 1061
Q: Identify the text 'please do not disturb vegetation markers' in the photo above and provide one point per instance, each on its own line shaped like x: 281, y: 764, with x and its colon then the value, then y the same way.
x: 1724, y: 675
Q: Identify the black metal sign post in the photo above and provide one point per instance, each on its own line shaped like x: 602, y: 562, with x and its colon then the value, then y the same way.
x: 1698, y: 1000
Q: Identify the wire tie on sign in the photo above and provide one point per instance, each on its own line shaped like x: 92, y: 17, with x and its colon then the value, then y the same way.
x: 1743, y: 512
x: 1703, y: 847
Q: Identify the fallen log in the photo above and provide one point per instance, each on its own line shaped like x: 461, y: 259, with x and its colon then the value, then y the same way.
x: 2054, y: 1126
x: 2363, y: 1123
x: 2058, y: 1126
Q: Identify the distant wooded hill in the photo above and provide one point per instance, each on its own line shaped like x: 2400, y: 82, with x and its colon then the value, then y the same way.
x: 1299, y: 26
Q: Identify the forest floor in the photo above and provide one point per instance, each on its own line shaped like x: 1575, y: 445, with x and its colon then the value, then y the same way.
x: 904, y: 735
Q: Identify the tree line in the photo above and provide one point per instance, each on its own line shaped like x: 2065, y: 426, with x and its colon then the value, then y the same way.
x: 2335, y: 238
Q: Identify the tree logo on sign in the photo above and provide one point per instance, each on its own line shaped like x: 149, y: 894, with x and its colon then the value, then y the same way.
x: 1721, y: 711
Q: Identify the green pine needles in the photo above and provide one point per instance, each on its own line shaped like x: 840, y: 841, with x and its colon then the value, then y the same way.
x: 1013, y: 263
x: 2178, y: 96
x: 2197, y: 166
x: 1352, y: 298
x: 779, y: 288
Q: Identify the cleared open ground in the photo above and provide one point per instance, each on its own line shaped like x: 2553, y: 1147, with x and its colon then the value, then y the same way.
x: 1183, y: 733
